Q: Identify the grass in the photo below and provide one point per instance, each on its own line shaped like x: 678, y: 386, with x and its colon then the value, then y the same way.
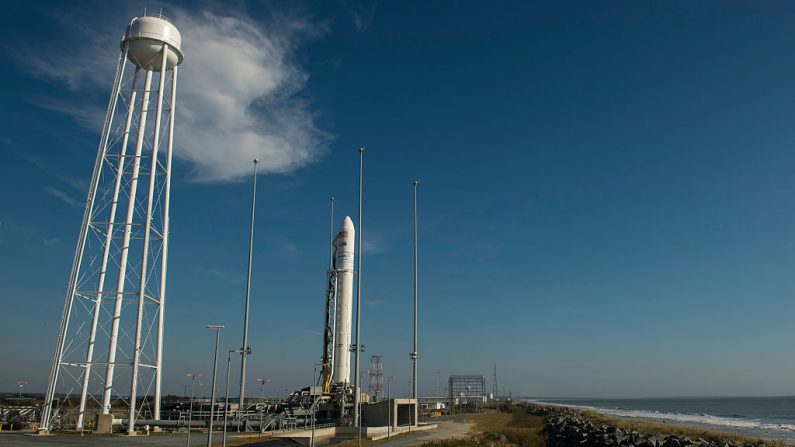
x: 659, y: 428
x: 524, y: 429
x: 513, y: 425
x: 491, y: 422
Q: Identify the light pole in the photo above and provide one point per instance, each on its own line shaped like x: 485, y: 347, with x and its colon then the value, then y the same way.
x: 357, y: 393
x: 245, y: 350
x: 190, y: 411
x: 408, y: 391
x: 262, y: 383
x: 226, y: 401
x: 389, y: 401
x: 217, y: 329
x: 314, y: 404
x: 359, y: 420
x: 414, y: 353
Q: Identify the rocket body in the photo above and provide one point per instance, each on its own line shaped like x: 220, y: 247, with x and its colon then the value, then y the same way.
x: 342, y: 326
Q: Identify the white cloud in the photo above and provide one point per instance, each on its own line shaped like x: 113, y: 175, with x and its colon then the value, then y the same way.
x: 62, y: 196
x: 239, y: 96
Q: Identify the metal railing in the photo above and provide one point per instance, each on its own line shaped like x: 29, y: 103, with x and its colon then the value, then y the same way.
x: 159, y: 15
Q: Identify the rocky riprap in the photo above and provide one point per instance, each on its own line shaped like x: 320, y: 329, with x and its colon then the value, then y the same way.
x: 565, y: 427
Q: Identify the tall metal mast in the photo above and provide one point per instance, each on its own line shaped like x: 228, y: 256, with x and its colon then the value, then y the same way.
x: 357, y: 346
x: 414, y: 353
x: 245, y: 350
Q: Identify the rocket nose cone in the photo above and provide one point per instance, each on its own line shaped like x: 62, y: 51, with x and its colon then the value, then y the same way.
x: 347, y: 224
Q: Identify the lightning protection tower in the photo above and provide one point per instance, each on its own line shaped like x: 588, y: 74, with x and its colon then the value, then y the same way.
x: 109, y: 351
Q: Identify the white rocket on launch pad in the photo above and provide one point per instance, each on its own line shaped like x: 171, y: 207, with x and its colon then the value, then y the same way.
x: 342, y: 325
x: 339, y: 305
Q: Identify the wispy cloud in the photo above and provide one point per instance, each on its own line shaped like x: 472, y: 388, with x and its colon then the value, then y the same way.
x: 62, y: 196
x: 12, y: 232
x: 241, y: 93
x: 89, y: 116
x: 221, y: 275
x: 363, y: 15
x: 283, y: 245
x: 51, y: 241
x: 375, y: 243
x: 75, y: 182
x: 371, y: 304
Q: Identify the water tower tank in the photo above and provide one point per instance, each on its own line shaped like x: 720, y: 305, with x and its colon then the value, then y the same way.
x: 146, y: 36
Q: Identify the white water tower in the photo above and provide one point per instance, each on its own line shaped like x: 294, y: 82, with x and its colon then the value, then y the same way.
x: 109, y: 349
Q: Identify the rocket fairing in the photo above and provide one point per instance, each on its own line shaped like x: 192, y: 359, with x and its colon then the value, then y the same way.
x: 342, y: 327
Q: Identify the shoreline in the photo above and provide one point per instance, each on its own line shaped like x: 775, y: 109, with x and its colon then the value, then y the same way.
x: 768, y: 431
x: 568, y: 425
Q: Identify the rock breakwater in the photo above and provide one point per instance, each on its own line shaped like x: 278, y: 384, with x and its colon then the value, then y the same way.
x: 566, y: 427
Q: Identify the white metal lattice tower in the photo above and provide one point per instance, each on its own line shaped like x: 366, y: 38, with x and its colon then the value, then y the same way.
x: 111, y: 332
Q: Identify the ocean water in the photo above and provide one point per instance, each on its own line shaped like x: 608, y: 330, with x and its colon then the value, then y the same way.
x: 763, y: 417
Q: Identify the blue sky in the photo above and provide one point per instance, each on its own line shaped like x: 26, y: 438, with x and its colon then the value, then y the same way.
x: 605, y: 204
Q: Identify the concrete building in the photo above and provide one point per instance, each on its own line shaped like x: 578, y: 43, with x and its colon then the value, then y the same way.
x: 394, y: 412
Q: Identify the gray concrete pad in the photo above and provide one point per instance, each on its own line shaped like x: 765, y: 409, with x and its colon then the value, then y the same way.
x: 70, y: 440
